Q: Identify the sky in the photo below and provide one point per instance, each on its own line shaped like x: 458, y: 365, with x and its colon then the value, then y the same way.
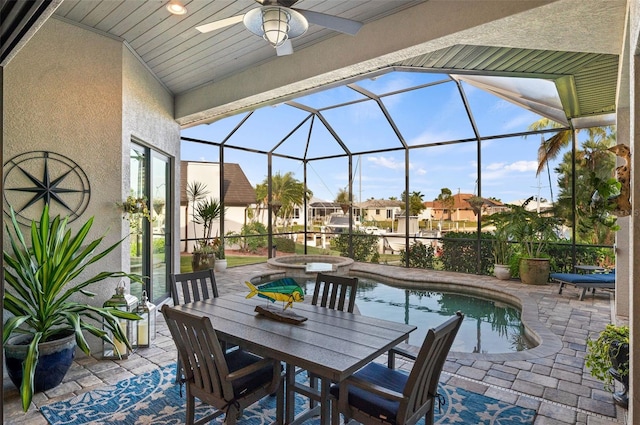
x: 425, y: 116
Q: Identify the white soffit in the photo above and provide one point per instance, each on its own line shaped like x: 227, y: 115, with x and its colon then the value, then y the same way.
x: 535, y: 94
x: 594, y: 121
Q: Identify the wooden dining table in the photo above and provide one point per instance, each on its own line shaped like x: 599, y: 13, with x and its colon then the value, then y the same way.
x: 330, y: 344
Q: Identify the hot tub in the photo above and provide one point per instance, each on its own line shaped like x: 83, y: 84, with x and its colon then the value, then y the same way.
x: 310, y: 265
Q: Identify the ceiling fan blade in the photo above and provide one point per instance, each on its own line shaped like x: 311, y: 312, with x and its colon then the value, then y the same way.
x: 335, y: 23
x: 285, y: 49
x: 212, y: 26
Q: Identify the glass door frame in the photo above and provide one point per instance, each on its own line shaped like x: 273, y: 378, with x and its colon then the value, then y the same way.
x: 157, y: 290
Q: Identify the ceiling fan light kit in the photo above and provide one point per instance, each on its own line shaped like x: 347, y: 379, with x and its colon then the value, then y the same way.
x: 278, y: 23
x: 275, y: 24
x: 176, y: 8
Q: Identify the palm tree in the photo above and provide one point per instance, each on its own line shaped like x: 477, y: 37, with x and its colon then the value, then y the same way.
x: 342, y: 198
x: 196, y: 192
x: 286, y: 192
x: 447, y: 200
x: 206, y: 212
x: 551, y: 147
x: 262, y: 198
x: 594, y: 186
x: 416, y: 203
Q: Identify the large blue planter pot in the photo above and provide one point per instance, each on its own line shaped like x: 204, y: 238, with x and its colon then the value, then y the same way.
x: 54, y: 360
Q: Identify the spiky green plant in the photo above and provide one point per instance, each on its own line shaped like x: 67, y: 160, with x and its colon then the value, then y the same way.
x: 41, y: 282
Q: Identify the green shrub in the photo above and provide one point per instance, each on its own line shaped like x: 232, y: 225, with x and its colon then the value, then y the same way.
x: 284, y: 244
x: 562, y: 257
x: 459, y: 253
x: 420, y: 256
x: 252, y: 237
x: 365, y: 246
x: 158, y: 246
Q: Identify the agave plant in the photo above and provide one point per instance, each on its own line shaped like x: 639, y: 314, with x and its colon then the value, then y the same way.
x: 42, y: 280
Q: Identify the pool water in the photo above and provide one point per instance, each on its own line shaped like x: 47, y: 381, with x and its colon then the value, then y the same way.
x: 489, y: 326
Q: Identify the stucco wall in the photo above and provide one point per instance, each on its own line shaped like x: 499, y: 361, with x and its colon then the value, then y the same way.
x: 82, y: 95
x: 148, y: 119
x: 54, y: 104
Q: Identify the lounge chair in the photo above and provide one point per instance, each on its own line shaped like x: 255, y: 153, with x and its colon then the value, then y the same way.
x: 585, y: 281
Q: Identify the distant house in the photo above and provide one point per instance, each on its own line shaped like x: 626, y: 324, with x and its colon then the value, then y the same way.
x: 462, y: 208
x: 380, y: 209
x: 239, y: 196
x: 319, y: 210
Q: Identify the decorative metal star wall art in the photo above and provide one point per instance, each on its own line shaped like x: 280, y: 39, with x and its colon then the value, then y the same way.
x: 35, y: 178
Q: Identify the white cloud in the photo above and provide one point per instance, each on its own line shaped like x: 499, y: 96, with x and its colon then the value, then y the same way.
x: 523, y: 166
x: 496, y: 166
x: 500, y: 170
x: 386, y: 162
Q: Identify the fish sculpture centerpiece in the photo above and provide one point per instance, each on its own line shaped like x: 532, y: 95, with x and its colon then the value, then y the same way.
x: 285, y: 290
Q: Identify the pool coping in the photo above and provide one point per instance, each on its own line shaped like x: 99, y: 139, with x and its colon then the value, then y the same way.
x: 548, y: 342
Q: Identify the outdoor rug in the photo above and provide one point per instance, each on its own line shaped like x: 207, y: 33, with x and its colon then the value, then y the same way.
x: 154, y: 398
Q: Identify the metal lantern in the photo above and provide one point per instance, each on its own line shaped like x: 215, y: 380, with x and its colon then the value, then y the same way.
x: 123, y: 302
x: 147, y: 325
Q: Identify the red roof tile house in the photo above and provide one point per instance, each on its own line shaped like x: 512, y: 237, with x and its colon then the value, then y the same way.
x: 463, y: 207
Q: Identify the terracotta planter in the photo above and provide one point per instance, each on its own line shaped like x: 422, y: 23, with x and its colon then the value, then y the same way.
x: 202, y: 261
x: 54, y: 360
x: 534, y: 271
x: 501, y: 271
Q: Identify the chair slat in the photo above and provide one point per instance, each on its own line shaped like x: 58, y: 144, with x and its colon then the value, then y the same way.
x: 207, y: 373
x: 194, y: 286
x: 338, y: 292
x: 419, y: 391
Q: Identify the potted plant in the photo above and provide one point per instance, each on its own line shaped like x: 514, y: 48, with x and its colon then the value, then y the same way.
x: 203, y: 256
x: 608, y: 359
x: 135, y: 207
x: 533, y: 232
x: 221, y: 261
x: 45, y: 323
x: 205, y: 212
x: 500, y: 246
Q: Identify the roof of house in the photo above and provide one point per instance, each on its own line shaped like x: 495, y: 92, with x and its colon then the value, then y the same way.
x: 238, y: 191
x: 324, y: 204
x: 380, y: 203
x: 460, y: 201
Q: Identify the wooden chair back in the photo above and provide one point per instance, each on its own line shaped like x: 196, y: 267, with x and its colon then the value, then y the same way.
x: 193, y: 286
x: 200, y: 352
x: 335, y: 292
x: 422, y: 385
x: 228, y: 381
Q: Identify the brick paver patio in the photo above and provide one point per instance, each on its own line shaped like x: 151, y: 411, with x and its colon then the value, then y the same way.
x: 550, y: 378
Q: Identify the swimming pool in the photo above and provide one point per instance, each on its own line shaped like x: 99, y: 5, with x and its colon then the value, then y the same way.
x: 489, y: 326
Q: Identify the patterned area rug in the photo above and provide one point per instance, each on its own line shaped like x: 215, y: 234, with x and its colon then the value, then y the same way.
x: 153, y: 398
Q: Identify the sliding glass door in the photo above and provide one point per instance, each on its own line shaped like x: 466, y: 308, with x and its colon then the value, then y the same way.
x: 150, y: 239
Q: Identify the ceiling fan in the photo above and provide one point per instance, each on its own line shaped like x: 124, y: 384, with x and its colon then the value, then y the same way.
x: 277, y: 22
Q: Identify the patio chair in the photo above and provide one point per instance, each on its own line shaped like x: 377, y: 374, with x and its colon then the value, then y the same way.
x: 190, y: 287
x: 194, y: 286
x: 379, y: 395
x: 228, y: 381
x: 335, y: 292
